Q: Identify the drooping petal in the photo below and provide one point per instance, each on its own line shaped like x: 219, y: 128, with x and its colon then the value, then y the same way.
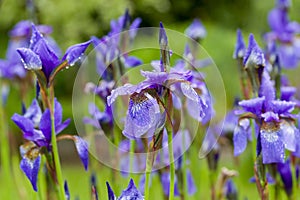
x: 30, y: 166
x: 131, y: 192
x: 74, y: 52
x: 240, y: 136
x: 82, y: 149
x: 142, y: 115
x: 272, y: 145
x: 30, y: 60
x: 289, y: 134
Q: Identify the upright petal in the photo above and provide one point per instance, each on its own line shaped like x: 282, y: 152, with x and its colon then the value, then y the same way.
x: 163, y: 39
x: 74, y: 52
x: 67, y: 192
x: 45, y: 125
x: 196, y: 30
x: 30, y: 166
x: 254, y: 54
x: 82, y: 149
x: 110, y: 192
x: 239, y: 46
x: 267, y: 90
x: 131, y: 192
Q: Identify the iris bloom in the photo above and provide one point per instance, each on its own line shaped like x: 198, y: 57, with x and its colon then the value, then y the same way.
x: 277, y: 131
x: 131, y: 192
x: 12, y: 67
x: 285, y: 33
x: 196, y: 30
x: 36, y: 128
x: 41, y: 56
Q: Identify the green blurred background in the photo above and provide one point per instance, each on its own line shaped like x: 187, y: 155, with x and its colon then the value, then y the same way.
x: 76, y: 21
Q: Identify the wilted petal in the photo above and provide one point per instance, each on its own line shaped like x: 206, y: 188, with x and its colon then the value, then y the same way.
x: 131, y: 192
x: 111, y: 195
x: 30, y: 166
x: 30, y: 60
x: 82, y: 149
x: 74, y: 52
x: 272, y: 145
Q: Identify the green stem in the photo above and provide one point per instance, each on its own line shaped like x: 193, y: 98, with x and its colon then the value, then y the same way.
x: 172, y: 165
x: 4, y: 142
x: 131, y: 153
x: 148, y: 173
x: 61, y: 190
x: 184, y: 169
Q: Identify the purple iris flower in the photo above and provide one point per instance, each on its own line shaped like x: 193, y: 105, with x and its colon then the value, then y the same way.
x: 41, y: 55
x: 37, y: 130
x: 109, y: 47
x: 131, y: 192
x: 12, y: 67
x: 285, y: 172
x: 285, y: 32
x: 230, y: 190
x: 196, y: 30
x: 29, y: 121
x: 277, y: 130
x: 99, y: 118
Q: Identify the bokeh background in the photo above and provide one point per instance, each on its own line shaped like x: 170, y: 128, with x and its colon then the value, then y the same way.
x: 76, y: 21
